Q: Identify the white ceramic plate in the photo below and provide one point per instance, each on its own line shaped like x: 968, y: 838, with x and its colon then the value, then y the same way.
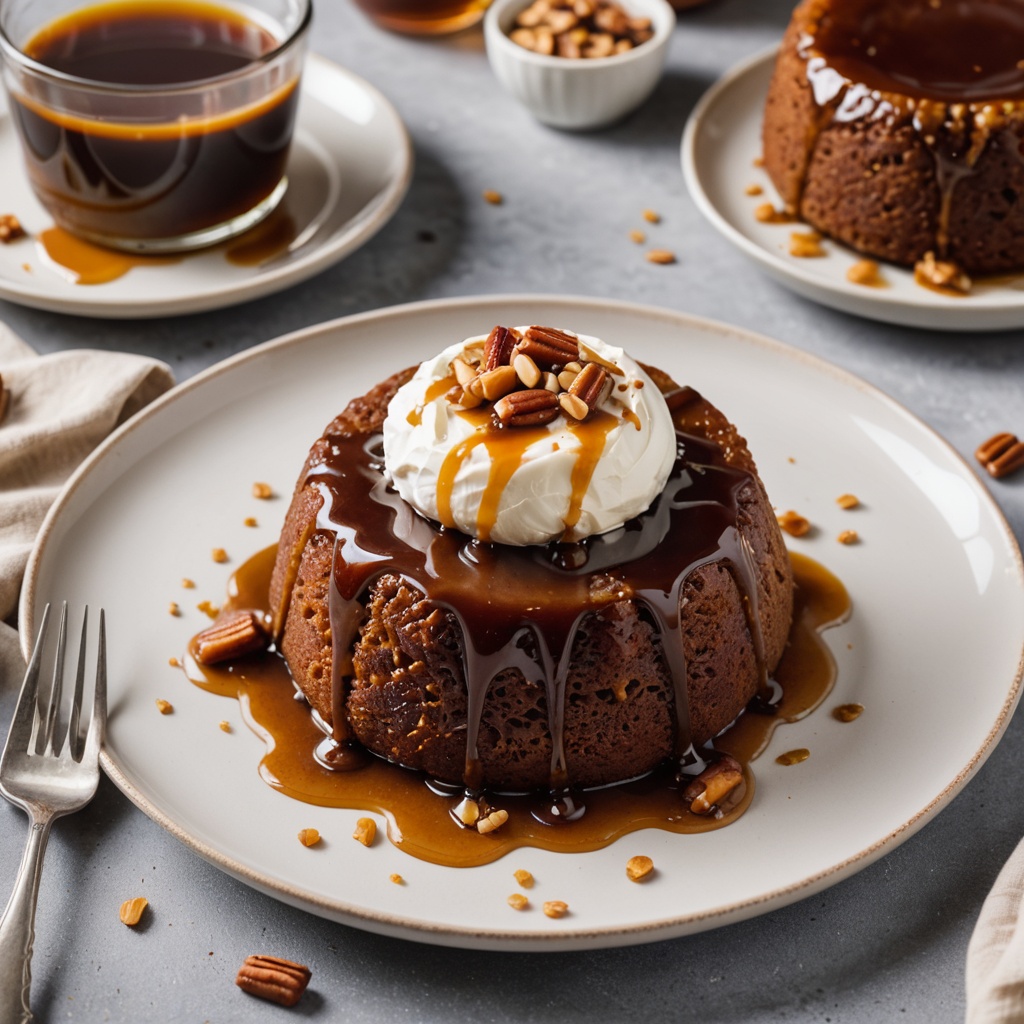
x: 720, y: 144
x: 350, y: 167
x: 937, y: 586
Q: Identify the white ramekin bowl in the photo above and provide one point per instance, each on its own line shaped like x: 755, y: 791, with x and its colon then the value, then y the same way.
x: 578, y: 93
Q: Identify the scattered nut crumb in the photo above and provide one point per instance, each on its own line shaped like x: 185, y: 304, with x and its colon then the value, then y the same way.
x: 188, y: 584
x: 250, y: 521
x: 262, y: 491
x: 397, y: 879
x: 652, y: 217
x: 941, y: 275
x: 556, y: 908
x: 754, y: 190
x: 309, y: 836
x: 165, y: 707
x: 637, y: 236
x: 766, y: 213
x: 224, y: 725
x: 791, y: 757
x: 173, y: 662
x: 492, y: 822
x: 848, y: 712
x: 662, y: 256
x: 758, y: 161
x: 524, y: 878
x: 174, y: 608
x: 794, y: 524
x: 848, y: 537
x: 219, y: 555
x: 639, y: 868
x: 867, y: 273
x: 366, y: 831
x: 132, y: 910
x: 10, y: 228
x: 847, y: 501
x: 806, y: 245
x: 273, y: 978
x: 492, y: 197
x: 517, y: 901
x: 209, y: 608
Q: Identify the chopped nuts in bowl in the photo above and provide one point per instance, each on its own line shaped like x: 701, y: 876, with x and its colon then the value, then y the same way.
x: 578, y: 64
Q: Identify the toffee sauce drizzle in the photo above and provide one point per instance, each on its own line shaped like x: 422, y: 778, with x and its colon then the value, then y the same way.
x: 521, y: 607
x: 954, y: 66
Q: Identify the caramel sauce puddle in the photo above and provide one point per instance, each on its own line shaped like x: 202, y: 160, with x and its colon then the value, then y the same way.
x: 416, y: 809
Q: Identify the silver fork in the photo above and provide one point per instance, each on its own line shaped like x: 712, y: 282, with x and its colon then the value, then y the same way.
x: 48, y: 770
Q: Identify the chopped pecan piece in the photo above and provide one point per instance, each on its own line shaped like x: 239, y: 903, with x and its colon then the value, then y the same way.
x: 549, y: 347
x: 498, y: 348
x: 591, y: 385
x: 271, y: 977
x: 528, y: 408
x: 1001, y: 454
x: 10, y: 228
x: 241, y: 634
x: 713, y: 785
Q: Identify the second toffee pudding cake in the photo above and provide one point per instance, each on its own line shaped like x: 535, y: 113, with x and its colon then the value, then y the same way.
x: 530, y: 564
x: 897, y: 128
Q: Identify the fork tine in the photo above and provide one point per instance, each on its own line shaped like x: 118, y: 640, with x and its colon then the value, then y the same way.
x: 74, y: 741
x: 98, y: 722
x: 56, y: 686
x: 20, y: 735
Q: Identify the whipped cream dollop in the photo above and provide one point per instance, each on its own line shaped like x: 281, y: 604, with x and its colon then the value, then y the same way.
x: 461, y: 465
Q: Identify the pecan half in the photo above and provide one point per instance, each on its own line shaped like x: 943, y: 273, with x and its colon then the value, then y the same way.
x: 271, y: 977
x: 498, y: 348
x: 241, y: 634
x: 713, y: 785
x: 548, y: 347
x: 529, y: 408
x: 1001, y: 454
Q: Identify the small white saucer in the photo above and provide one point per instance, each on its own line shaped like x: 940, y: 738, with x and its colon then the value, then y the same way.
x: 720, y: 145
x: 350, y: 167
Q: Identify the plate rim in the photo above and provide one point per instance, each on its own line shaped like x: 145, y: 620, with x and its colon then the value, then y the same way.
x: 510, y: 938
x: 92, y: 303
x: 929, y: 310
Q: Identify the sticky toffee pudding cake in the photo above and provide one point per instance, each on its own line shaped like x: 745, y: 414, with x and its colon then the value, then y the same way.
x: 897, y: 128
x: 530, y: 564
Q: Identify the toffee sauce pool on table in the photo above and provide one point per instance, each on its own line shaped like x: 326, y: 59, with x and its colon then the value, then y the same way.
x: 417, y: 809
x: 162, y: 178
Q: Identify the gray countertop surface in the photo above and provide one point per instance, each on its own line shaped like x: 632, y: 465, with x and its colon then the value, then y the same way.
x: 887, y: 944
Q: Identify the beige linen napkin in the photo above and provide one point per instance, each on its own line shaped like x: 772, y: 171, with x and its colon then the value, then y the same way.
x: 995, y: 956
x: 59, y: 407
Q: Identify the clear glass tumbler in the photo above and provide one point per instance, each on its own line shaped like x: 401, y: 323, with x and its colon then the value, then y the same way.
x: 155, y: 125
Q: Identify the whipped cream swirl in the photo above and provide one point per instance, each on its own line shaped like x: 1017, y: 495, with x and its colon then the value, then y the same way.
x: 562, y: 481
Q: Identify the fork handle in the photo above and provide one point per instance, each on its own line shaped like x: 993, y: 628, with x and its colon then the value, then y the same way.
x: 17, y: 927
